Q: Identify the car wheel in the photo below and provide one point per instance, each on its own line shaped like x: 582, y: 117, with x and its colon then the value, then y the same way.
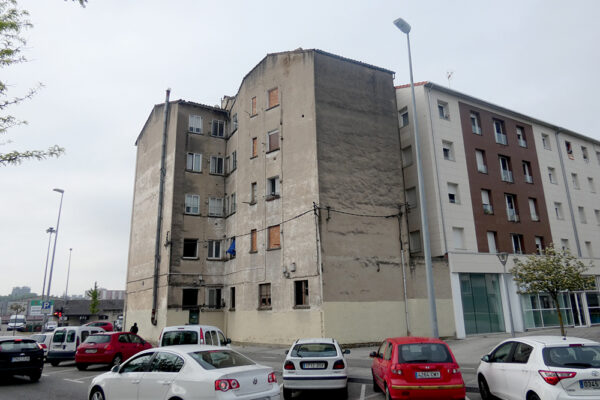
x: 376, y: 387
x: 484, y: 389
x: 533, y: 396
x: 81, y: 367
x: 388, y: 396
x: 117, y: 360
x: 287, y: 393
x: 54, y: 363
x: 35, y: 376
x: 97, y: 394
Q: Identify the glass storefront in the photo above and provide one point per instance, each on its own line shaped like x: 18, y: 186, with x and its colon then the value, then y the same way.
x: 539, y: 310
x: 593, y: 303
x: 482, y: 303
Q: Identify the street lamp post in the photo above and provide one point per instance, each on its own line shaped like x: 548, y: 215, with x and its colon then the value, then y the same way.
x: 50, y: 231
x: 68, y: 273
x: 62, y: 192
x: 503, y: 257
x: 405, y: 27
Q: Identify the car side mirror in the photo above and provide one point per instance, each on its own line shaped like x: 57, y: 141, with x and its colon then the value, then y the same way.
x: 486, y: 358
x: 287, y: 351
x: 373, y: 354
x: 115, y: 369
x: 228, y: 341
x: 346, y: 351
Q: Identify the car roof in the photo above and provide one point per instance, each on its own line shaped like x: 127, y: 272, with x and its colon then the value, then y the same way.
x: 414, y: 339
x: 315, y: 340
x: 190, y: 348
x: 5, y: 338
x: 552, y: 340
x: 189, y: 327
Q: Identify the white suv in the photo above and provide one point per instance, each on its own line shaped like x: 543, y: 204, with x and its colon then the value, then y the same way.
x: 541, y: 367
x: 315, y: 364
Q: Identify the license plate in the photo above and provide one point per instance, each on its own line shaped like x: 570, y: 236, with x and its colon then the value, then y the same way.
x: 313, y: 365
x: 20, y: 359
x: 589, y: 384
x: 427, y: 374
x: 90, y: 350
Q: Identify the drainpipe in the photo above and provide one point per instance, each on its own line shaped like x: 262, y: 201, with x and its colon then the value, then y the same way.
x: 161, y: 194
x: 406, y: 316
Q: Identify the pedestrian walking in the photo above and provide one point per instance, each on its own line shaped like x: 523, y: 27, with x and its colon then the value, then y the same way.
x: 134, y: 328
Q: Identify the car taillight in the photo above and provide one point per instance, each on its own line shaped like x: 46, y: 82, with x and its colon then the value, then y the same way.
x: 396, y: 369
x: 339, y: 364
x: 553, y: 377
x: 108, y: 347
x: 41, y: 346
x: 225, y: 384
x: 272, y: 378
x: 454, y: 369
x: 289, y: 365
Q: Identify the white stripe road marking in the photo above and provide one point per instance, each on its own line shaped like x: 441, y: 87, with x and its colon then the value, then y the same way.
x: 72, y: 380
x: 60, y: 372
x: 468, y: 369
x: 280, y: 386
x: 362, y: 392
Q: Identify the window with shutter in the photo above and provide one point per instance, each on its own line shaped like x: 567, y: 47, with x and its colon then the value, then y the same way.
x: 253, y: 107
x: 273, y: 97
x: 273, y: 140
x: 274, y: 237
x: 254, y: 147
x: 253, y: 248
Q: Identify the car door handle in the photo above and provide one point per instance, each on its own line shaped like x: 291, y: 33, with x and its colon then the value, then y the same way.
x: 135, y: 382
x: 165, y: 382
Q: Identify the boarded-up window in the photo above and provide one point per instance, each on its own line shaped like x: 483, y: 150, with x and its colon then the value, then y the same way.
x: 264, y: 295
x: 253, y: 106
x: 253, y: 247
x: 274, y: 241
x: 254, y: 147
x: 273, y: 140
x: 273, y: 97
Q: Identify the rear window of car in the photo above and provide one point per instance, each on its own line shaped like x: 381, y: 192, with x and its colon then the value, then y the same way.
x: 18, y: 345
x: 97, y: 339
x: 39, y: 338
x: 59, y: 336
x: 572, y: 356
x: 314, y: 350
x: 216, y: 359
x: 423, y: 353
x: 173, y: 338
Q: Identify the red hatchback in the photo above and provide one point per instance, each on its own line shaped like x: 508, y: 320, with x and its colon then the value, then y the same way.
x: 107, y: 326
x: 108, y: 348
x: 416, y: 368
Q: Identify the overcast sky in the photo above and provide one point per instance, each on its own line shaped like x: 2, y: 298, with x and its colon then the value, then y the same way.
x: 106, y: 65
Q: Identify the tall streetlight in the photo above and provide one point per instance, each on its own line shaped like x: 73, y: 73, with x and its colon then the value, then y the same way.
x: 62, y: 192
x: 405, y: 28
x: 503, y: 257
x: 50, y: 231
x: 68, y: 273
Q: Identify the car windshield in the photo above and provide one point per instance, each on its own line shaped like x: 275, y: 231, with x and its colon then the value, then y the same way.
x: 577, y: 356
x: 18, y: 345
x: 59, y: 336
x: 314, y: 350
x: 17, y: 320
x: 172, y: 338
x: 97, y: 339
x: 423, y: 353
x: 216, y: 359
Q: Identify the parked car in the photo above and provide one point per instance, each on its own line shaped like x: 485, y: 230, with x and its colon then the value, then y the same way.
x: 541, y: 367
x: 107, y: 326
x: 109, y: 348
x: 21, y: 356
x: 66, y: 340
x: 182, y: 372
x: 44, y: 340
x: 17, y: 323
x: 192, y: 334
x: 315, y: 364
x: 416, y: 368
x: 51, y: 326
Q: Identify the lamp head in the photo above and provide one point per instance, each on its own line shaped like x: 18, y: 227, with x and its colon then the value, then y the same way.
x: 402, y: 25
x: 50, y: 230
x: 58, y: 190
x: 503, y: 257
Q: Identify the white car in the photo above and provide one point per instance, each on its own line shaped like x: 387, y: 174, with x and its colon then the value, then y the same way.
x: 186, y: 372
x: 315, y: 364
x: 44, y: 340
x: 51, y: 325
x: 541, y: 367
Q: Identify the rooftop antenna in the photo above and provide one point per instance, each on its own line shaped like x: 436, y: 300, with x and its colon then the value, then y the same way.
x: 449, y: 74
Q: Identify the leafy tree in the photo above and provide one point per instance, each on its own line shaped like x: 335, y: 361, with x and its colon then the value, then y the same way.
x: 17, y: 308
x: 552, y: 272
x: 93, y: 295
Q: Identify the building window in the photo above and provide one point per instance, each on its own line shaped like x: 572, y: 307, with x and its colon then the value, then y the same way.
x: 301, y: 293
x: 453, y: 193
x: 527, y: 172
x: 481, y: 164
x: 411, y: 198
x: 407, y: 158
x: 546, y: 142
x: 189, y: 298
x: 264, y: 295
x: 253, y: 245
x: 575, y: 181
x: 584, y: 154
x: 443, y: 110
x: 194, y: 162
x: 195, y: 124
x: 458, y: 235
x: 505, y: 170
x: 234, y: 123
x: 582, y: 217
x: 517, y: 243
x: 214, y: 249
x: 232, y: 204
x: 233, y: 161
x: 192, y: 204
x: 273, y: 138
x: 216, y: 165
x: 253, y: 107
x: 486, y: 201
x: 511, y: 207
x: 218, y: 128
x: 215, y: 207
x: 273, y: 188
x: 230, y: 248
x: 232, y: 298
x: 499, y: 132
x: 588, y: 248
x: 598, y: 156
x: 213, y: 297
x: 273, y: 97
x: 552, y: 175
x: 414, y: 241
x: 448, y: 150
x: 190, y: 248
x: 521, y: 137
x: 254, y: 149
x: 558, y: 210
x: 597, y: 212
x: 591, y: 185
x: 533, y: 210
x: 274, y: 237
x: 491, y: 239
x: 539, y: 245
x: 475, y: 123
x: 253, y: 193
x: 564, y: 244
x: 403, y: 117
x: 569, y: 149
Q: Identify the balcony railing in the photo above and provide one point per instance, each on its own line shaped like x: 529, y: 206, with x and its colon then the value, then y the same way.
x: 488, y: 209
x: 528, y: 178
x: 482, y: 169
x: 535, y: 217
x: 513, y: 216
x: 522, y: 143
x: 507, y: 176
x: 501, y: 138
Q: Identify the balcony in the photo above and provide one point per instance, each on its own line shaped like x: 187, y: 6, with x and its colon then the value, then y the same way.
x: 522, y: 143
x: 535, y: 217
x: 507, y: 176
x: 512, y: 215
x: 501, y: 138
x: 488, y: 209
x: 528, y: 178
x: 482, y: 168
